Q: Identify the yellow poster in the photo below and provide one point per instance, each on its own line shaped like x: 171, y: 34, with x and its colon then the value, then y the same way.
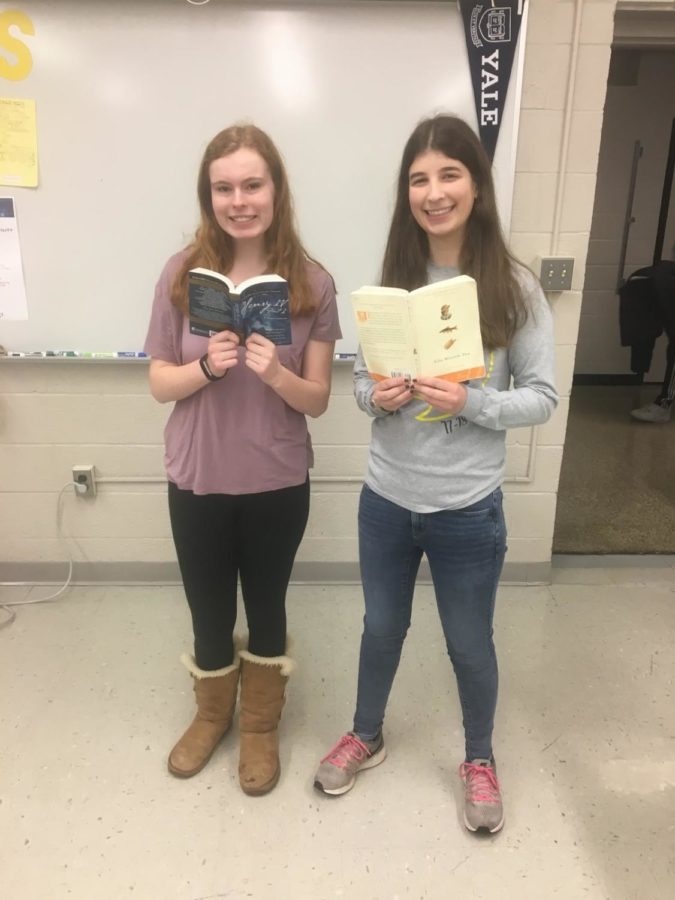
x: 18, y: 143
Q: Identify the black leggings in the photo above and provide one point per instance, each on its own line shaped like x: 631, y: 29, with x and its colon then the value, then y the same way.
x: 221, y: 536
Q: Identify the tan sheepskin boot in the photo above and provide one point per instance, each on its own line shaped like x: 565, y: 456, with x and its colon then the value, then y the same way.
x: 263, y: 682
x: 216, y: 696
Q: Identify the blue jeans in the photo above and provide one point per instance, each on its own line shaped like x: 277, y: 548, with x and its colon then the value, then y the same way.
x: 465, y: 549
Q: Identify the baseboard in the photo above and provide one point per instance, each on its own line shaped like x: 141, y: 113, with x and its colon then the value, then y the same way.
x: 348, y: 573
x: 167, y: 573
x: 613, y: 560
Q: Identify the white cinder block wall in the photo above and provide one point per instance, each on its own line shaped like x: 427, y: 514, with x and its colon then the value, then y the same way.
x: 57, y: 414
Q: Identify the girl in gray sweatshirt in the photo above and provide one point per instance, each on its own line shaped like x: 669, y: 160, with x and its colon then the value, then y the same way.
x: 436, y: 457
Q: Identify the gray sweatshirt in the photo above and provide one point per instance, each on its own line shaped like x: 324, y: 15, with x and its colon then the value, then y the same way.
x: 426, y: 460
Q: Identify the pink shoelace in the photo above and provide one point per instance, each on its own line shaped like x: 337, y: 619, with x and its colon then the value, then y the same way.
x: 481, y: 783
x: 348, y: 749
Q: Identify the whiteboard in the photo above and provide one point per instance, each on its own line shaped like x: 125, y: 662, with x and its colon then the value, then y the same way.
x: 128, y: 95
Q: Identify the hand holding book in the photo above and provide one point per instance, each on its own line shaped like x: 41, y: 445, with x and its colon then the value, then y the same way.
x: 222, y: 352
x: 262, y: 358
x: 446, y: 396
x: 391, y: 394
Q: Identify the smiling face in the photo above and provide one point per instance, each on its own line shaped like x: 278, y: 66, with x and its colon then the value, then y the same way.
x: 242, y: 194
x: 441, y: 193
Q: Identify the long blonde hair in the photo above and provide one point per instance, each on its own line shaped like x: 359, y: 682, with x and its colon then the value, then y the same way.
x: 212, y: 248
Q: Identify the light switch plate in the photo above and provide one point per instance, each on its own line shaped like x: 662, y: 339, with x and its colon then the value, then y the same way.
x: 556, y: 273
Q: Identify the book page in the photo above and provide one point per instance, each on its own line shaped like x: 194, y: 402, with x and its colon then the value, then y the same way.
x: 257, y: 279
x: 446, y: 324
x: 210, y: 273
x: 383, y: 326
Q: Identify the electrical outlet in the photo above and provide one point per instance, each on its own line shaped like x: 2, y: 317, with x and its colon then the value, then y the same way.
x: 556, y: 273
x: 84, y: 480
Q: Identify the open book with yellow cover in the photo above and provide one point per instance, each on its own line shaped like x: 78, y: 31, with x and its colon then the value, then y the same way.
x: 431, y: 331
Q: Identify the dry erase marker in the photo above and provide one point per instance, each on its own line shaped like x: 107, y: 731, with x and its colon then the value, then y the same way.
x: 131, y: 354
x: 69, y: 353
x: 99, y: 355
x: 345, y: 356
x: 36, y: 353
x: 15, y: 353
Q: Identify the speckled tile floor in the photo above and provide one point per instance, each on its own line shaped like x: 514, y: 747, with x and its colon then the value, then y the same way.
x: 92, y: 698
x: 617, y: 480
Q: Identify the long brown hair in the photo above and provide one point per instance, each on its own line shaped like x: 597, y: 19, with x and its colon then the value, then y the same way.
x: 484, y: 254
x: 212, y: 248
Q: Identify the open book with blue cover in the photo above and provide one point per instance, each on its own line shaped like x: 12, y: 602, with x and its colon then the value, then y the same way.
x: 258, y: 305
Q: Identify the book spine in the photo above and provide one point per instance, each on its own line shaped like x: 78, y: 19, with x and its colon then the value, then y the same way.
x: 412, y: 331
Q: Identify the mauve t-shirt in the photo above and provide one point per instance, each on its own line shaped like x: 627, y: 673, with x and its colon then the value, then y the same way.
x: 236, y: 436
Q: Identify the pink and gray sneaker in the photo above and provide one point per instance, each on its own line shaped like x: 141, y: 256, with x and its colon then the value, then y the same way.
x: 482, y: 800
x: 338, y: 769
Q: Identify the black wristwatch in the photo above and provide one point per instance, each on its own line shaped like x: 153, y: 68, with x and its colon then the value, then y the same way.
x: 204, y: 363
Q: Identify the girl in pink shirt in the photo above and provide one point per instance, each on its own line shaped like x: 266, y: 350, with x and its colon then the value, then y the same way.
x: 237, y: 447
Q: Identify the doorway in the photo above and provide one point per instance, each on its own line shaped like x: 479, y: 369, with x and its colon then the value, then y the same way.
x: 617, y: 481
